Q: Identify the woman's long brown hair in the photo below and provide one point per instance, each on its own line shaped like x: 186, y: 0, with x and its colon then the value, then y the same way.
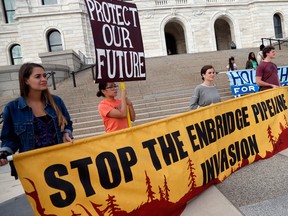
x: 25, y: 72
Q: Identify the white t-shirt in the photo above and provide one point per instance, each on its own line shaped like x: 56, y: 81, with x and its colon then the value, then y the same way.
x: 234, y: 66
x: 259, y: 57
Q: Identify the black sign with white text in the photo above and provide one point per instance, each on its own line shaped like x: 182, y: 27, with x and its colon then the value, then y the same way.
x: 118, y: 42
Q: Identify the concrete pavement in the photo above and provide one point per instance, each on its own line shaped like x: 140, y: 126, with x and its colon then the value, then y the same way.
x: 260, y: 189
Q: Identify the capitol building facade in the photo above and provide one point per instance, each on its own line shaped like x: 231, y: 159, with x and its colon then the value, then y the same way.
x: 33, y: 28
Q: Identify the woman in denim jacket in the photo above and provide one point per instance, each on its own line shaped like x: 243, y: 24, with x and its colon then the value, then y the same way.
x: 37, y: 118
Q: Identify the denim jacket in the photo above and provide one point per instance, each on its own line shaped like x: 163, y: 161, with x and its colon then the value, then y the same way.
x: 18, y: 130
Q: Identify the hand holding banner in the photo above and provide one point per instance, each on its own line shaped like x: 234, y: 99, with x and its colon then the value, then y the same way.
x: 137, y: 171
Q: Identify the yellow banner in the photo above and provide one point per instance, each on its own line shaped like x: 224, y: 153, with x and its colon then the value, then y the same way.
x: 155, y: 168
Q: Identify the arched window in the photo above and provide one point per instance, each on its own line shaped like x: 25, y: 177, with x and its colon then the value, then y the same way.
x: 15, y: 54
x: 48, y: 2
x: 277, y: 26
x: 9, y: 10
x: 54, y: 41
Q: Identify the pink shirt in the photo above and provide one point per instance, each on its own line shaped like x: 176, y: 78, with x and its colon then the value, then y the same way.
x: 111, y: 124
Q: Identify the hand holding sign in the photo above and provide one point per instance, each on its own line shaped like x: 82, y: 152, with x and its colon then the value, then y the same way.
x: 129, y: 104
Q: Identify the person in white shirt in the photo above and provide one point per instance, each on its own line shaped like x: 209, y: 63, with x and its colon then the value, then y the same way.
x: 260, y: 57
x: 231, y: 65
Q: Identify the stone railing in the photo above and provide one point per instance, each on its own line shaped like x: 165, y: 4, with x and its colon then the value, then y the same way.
x: 220, y: 1
x: 64, y: 57
x: 186, y: 2
x: 171, y: 2
x: 61, y: 63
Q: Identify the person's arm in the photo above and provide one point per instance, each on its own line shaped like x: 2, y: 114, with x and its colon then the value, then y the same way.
x: 67, y: 137
x: 227, y: 67
x: 260, y: 82
x: 194, y: 103
x: 3, y: 158
x: 122, y: 113
x: 68, y: 129
x: 10, y: 141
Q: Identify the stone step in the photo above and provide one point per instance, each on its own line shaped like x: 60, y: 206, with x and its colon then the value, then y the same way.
x: 149, y: 107
x: 166, y: 91
x: 94, y: 116
x: 86, y: 116
x: 76, y: 102
x: 95, y: 125
x: 88, y: 112
x: 144, y: 118
x: 153, y: 84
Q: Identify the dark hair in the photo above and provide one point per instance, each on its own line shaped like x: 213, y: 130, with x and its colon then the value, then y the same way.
x: 204, y: 69
x: 25, y: 72
x: 261, y: 47
x: 250, y: 56
x: 267, y: 49
x: 102, y: 86
x: 231, y: 66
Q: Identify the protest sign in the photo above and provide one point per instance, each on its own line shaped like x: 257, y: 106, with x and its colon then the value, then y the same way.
x: 244, y: 81
x: 118, y: 41
x: 155, y: 168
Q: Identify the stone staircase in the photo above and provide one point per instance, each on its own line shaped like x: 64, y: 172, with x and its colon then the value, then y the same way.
x: 166, y: 91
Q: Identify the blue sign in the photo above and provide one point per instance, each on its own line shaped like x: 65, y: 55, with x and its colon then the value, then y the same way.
x: 244, y: 81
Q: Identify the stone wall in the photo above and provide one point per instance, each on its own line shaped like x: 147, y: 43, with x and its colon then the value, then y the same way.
x: 198, y: 17
x: 248, y: 21
x: 33, y: 21
x: 65, y: 57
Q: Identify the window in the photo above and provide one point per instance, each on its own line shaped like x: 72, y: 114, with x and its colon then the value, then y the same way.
x: 277, y: 26
x: 48, y: 2
x: 54, y: 41
x: 15, y: 54
x: 9, y: 10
